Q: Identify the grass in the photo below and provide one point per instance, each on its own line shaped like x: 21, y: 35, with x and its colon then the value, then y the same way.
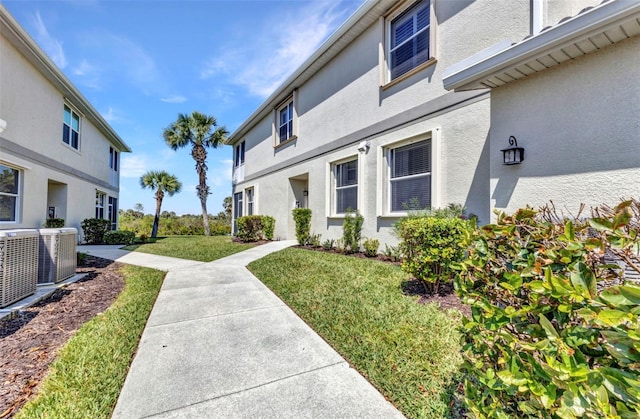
x: 200, y: 248
x: 409, y: 351
x: 86, y: 378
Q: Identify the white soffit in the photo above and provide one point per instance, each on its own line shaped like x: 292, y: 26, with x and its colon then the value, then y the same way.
x: 589, y: 31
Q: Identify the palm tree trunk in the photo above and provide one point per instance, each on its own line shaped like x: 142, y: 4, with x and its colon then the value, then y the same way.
x: 156, y: 219
x: 199, y: 153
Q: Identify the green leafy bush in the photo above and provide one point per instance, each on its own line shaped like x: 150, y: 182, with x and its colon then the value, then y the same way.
x: 93, y: 230
x: 249, y: 228
x: 352, y: 231
x: 392, y: 252
x: 314, y: 240
x: 54, y: 223
x: 268, y: 226
x: 554, y: 332
x: 119, y: 237
x: 328, y: 244
x: 430, y: 245
x: 216, y: 228
x: 371, y: 247
x: 302, y: 218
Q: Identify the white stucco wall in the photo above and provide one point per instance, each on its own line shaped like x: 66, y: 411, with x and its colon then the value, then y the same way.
x: 33, y: 110
x: 579, y: 123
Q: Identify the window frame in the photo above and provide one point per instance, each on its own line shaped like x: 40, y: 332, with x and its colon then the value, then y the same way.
x: 113, y: 159
x: 69, y: 141
x: 386, y: 79
x: 112, y: 212
x: 249, y: 198
x: 239, y: 154
x: 334, y: 188
x: 100, y: 204
x: 290, y: 103
x: 390, y: 179
x: 17, y: 195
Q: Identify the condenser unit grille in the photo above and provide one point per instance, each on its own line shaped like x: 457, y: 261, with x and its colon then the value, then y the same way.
x: 56, y: 255
x: 18, y: 265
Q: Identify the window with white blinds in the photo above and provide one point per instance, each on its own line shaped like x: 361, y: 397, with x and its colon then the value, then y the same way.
x: 410, y: 177
x: 346, y: 186
x: 409, y: 39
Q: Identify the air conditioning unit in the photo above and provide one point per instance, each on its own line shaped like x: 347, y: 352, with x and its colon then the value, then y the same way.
x: 57, y: 254
x: 18, y: 265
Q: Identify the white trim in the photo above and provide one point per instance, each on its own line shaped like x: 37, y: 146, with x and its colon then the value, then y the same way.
x: 19, y: 196
x: 537, y: 16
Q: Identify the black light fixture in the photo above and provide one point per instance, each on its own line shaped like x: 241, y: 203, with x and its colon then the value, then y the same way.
x: 305, y: 193
x: 513, y: 154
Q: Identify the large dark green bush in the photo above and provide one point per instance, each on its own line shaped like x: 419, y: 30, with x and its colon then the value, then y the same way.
x: 119, y: 237
x: 554, y: 332
x: 54, y: 223
x: 93, y: 230
x: 430, y: 245
x: 302, y: 218
x: 352, y: 231
x: 249, y: 228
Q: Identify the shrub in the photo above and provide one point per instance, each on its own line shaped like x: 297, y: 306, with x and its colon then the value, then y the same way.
x: 546, y: 339
x: 93, y: 230
x: 249, y: 228
x: 371, y: 247
x: 143, y: 238
x: 302, y: 218
x: 392, y: 252
x: 268, y: 226
x: 352, y: 231
x: 314, y: 240
x: 218, y: 228
x: 119, y: 237
x: 328, y: 244
x: 54, y: 223
x: 430, y: 245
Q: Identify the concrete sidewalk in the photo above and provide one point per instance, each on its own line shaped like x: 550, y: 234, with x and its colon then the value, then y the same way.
x: 220, y: 344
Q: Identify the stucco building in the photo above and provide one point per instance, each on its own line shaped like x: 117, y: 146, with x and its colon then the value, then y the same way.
x: 366, y: 122
x: 570, y: 94
x: 58, y: 156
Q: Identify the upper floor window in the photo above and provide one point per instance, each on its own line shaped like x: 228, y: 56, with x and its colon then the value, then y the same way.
x: 71, y: 128
x: 410, y: 176
x: 113, y: 159
x: 286, y: 119
x: 409, y: 39
x: 9, y: 193
x: 346, y: 186
x: 239, y: 154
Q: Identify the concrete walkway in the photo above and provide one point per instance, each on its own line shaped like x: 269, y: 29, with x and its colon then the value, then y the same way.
x: 220, y: 344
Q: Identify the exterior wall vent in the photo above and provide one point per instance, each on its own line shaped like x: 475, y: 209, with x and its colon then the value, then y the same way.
x: 18, y: 265
x: 57, y: 254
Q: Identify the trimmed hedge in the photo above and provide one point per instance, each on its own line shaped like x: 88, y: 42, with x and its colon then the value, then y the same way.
x: 119, y: 237
x: 94, y: 230
x: 302, y: 218
x: 54, y: 223
x: 252, y: 228
x: 554, y: 331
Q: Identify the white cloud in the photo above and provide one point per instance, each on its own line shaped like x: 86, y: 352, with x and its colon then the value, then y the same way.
x: 220, y: 174
x: 49, y: 44
x: 264, y: 63
x: 174, y: 99
x: 134, y: 165
x: 112, y: 115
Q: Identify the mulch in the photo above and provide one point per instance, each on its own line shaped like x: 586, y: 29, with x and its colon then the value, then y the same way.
x: 31, y: 339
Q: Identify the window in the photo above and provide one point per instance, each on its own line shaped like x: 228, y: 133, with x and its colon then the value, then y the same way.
x: 346, y: 186
x: 113, y: 212
x: 249, y: 196
x: 113, y: 159
x: 409, y: 39
x: 239, y: 151
x: 237, y: 208
x: 71, y: 128
x: 285, y: 121
x: 410, y: 176
x: 100, y: 198
x: 9, y: 194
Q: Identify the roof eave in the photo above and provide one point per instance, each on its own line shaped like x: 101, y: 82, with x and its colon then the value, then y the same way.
x: 598, y: 19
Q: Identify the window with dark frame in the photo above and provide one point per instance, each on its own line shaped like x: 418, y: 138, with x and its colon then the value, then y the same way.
x: 71, y: 128
x: 113, y: 159
x: 9, y: 193
x: 239, y: 154
x: 409, y: 39
x: 410, y: 177
x: 285, y: 122
x: 346, y: 186
x: 100, y: 198
x: 113, y: 212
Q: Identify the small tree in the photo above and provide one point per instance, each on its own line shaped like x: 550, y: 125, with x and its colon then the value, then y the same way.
x: 302, y: 218
x: 352, y: 231
x: 162, y: 182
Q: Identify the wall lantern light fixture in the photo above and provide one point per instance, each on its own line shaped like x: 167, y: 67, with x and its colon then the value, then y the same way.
x: 305, y: 193
x: 513, y: 154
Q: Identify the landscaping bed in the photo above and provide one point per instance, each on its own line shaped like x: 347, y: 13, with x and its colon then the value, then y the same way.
x: 30, y: 340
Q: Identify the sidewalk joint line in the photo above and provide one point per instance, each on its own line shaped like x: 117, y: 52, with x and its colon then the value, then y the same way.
x: 249, y: 310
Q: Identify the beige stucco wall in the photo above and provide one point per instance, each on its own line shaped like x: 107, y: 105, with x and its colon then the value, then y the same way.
x: 345, y: 96
x: 579, y: 123
x: 33, y: 110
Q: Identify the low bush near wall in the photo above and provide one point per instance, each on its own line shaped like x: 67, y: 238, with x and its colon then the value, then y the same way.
x: 119, y: 237
x: 252, y: 228
x: 352, y: 231
x: 430, y: 245
x: 93, y: 230
x: 268, y: 226
x: 302, y: 218
x: 54, y: 223
x: 554, y: 331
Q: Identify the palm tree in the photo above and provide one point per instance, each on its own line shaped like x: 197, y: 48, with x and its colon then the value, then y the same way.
x: 163, y: 183
x: 199, y: 131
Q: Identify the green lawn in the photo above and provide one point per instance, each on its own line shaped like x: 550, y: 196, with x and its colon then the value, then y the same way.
x: 409, y: 351
x: 86, y: 378
x: 200, y: 248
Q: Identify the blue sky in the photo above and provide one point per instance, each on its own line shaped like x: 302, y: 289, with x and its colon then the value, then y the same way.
x: 140, y: 63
